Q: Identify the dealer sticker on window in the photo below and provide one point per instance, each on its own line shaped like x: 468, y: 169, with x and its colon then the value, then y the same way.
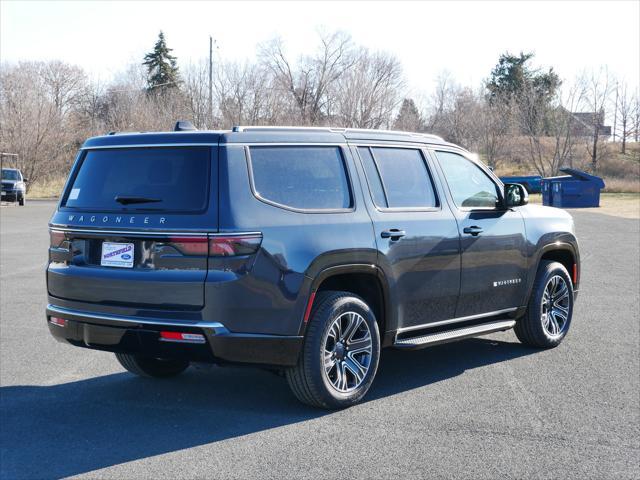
x: 117, y: 255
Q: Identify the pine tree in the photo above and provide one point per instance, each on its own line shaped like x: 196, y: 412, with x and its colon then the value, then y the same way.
x: 409, y: 118
x: 513, y: 76
x: 162, y: 70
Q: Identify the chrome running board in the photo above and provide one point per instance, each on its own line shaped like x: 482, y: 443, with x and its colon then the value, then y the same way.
x: 428, y: 339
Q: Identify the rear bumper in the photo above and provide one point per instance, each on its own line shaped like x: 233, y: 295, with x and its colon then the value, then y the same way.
x: 139, y: 335
x: 11, y: 195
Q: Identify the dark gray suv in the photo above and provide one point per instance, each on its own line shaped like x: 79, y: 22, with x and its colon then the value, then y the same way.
x: 304, y: 250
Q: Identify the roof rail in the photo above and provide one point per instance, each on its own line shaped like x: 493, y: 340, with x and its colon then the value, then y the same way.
x: 246, y: 128
x: 395, y: 132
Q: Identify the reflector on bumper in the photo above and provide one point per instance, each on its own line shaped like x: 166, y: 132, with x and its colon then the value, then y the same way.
x: 61, y: 322
x: 182, y: 337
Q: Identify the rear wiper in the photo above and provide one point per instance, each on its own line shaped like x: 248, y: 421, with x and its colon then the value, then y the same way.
x: 126, y: 200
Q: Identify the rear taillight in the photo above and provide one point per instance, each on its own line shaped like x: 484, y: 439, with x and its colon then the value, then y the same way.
x: 227, y: 245
x: 234, y: 245
x: 190, y: 245
x: 56, y: 237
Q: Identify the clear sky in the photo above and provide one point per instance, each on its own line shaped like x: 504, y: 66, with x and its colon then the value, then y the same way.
x: 464, y: 38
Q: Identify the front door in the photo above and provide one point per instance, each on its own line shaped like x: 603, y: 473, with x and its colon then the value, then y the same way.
x: 493, y: 243
x: 416, y: 235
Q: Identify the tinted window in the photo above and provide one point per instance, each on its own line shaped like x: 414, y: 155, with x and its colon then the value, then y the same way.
x: 301, y: 177
x: 405, y: 177
x: 164, y: 179
x: 469, y: 185
x: 10, y: 174
x: 373, y: 178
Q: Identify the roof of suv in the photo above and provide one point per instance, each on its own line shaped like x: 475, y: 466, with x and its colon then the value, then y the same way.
x: 249, y: 134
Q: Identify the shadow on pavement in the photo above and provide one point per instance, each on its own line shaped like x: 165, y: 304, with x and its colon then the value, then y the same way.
x: 77, y: 427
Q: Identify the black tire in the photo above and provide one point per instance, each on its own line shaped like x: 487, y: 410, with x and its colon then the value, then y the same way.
x: 151, y: 367
x: 21, y: 201
x: 308, y: 380
x: 530, y: 329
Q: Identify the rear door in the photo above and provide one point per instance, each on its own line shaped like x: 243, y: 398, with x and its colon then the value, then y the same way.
x: 416, y: 235
x: 493, y: 242
x: 132, y: 227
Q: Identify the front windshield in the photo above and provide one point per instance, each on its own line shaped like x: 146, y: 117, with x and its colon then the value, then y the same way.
x: 10, y: 174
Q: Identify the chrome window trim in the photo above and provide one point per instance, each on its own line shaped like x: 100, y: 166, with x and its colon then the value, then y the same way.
x: 380, y: 209
x: 455, y: 320
x: 385, y: 144
x: 492, y: 176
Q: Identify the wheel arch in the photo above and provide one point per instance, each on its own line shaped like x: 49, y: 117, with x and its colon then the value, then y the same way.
x: 564, y: 253
x: 365, y: 280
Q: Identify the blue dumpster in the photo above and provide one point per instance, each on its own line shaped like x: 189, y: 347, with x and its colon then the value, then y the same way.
x: 531, y: 182
x: 576, y: 190
x: 547, y: 188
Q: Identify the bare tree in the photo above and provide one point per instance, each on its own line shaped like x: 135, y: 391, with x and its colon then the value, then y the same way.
x: 88, y: 109
x: 616, y: 91
x: 196, y: 91
x: 440, y: 100
x: 35, y: 101
x: 65, y: 84
x: 636, y: 121
x: 455, y: 113
x: 597, y: 91
x: 368, y: 93
x: 309, y: 80
x: 245, y: 94
x: 549, y: 128
x: 493, y: 121
x: 626, y: 106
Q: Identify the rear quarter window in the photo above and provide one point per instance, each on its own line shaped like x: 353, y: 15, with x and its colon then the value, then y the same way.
x: 302, y: 178
x: 142, y: 179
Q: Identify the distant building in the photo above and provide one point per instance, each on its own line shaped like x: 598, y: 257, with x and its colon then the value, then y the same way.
x: 584, y: 122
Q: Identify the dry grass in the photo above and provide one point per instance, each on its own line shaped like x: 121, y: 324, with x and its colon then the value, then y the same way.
x: 50, y: 188
x: 625, y: 205
x: 621, y: 185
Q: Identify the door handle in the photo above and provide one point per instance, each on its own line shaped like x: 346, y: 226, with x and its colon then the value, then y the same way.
x: 474, y: 230
x: 393, y: 234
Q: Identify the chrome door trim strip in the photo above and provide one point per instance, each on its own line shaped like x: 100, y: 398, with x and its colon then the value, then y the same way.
x: 71, y: 314
x: 150, y: 233
x: 456, y: 320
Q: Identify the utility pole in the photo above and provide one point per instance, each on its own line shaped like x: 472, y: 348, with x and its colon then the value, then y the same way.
x: 210, y: 116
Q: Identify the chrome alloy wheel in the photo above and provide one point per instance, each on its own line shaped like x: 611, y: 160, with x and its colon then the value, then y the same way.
x: 347, y: 352
x: 555, y: 306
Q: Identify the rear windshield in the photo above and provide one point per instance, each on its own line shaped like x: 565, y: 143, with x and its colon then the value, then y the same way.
x: 142, y: 179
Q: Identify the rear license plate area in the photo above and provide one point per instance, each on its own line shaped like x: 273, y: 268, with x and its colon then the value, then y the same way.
x: 117, y: 255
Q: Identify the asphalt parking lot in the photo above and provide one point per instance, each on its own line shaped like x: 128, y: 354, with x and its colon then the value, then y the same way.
x: 481, y: 408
